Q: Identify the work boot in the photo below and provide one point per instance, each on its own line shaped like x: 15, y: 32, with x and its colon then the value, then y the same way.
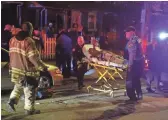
x: 10, y: 105
x: 131, y: 101
x: 32, y: 112
x: 150, y: 90
x: 139, y: 96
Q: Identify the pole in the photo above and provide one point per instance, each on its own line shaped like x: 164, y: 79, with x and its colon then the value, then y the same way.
x: 19, y: 17
x: 46, y: 14
x: 143, y: 20
x: 41, y: 21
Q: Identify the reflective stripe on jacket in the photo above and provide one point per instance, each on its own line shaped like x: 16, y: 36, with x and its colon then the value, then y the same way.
x: 24, y: 58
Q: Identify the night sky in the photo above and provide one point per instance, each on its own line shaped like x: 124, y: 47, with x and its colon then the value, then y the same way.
x: 8, y: 15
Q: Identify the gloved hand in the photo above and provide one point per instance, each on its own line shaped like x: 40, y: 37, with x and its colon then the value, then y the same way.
x: 23, y: 81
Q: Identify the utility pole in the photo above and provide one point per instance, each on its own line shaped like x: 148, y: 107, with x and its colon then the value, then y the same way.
x: 145, y: 25
x: 145, y: 21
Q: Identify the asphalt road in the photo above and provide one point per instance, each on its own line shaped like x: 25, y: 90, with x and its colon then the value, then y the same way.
x: 68, y: 103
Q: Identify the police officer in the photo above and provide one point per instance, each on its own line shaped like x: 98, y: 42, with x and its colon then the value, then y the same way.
x: 73, y: 34
x: 81, y: 63
x: 25, y: 65
x: 64, y: 47
x: 135, y: 64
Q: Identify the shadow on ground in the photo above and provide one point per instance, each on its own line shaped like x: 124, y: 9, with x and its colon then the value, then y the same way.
x: 14, y: 116
x: 124, y: 108
x: 68, y: 93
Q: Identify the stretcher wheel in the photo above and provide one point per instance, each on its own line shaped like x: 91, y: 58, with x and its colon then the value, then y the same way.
x: 88, y: 88
x: 112, y: 94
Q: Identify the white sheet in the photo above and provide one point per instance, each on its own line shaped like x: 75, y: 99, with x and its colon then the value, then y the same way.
x: 106, y: 63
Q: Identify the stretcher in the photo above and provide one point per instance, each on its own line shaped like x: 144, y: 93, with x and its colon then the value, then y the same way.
x: 108, y: 66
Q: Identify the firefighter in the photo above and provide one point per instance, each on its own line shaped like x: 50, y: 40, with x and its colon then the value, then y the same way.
x: 135, y: 65
x: 81, y: 63
x: 25, y: 66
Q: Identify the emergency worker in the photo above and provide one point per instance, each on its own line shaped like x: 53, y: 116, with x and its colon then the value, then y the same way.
x: 135, y: 65
x: 36, y: 35
x: 73, y: 34
x: 25, y: 65
x: 81, y: 63
x: 64, y: 52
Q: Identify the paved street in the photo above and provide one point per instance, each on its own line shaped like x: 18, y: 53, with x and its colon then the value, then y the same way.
x: 68, y: 103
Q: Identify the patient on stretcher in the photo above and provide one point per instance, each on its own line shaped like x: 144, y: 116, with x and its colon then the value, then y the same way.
x: 96, y: 55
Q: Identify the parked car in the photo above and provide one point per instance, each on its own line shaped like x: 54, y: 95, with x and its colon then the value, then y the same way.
x: 46, y: 80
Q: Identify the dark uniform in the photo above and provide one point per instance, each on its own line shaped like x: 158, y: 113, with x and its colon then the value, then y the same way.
x: 74, y: 36
x: 63, y: 55
x: 135, y: 71
x: 81, y: 65
x: 154, y: 72
x: 164, y: 67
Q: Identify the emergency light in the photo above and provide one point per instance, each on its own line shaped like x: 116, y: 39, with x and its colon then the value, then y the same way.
x: 163, y: 35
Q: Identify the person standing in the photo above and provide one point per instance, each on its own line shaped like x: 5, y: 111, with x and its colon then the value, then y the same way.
x: 50, y: 30
x: 38, y: 39
x: 81, y: 63
x: 25, y: 65
x: 64, y: 52
x: 135, y: 65
x: 154, y: 65
x: 73, y: 34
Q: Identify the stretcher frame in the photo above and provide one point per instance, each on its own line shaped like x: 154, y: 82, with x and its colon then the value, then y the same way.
x: 107, y: 70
